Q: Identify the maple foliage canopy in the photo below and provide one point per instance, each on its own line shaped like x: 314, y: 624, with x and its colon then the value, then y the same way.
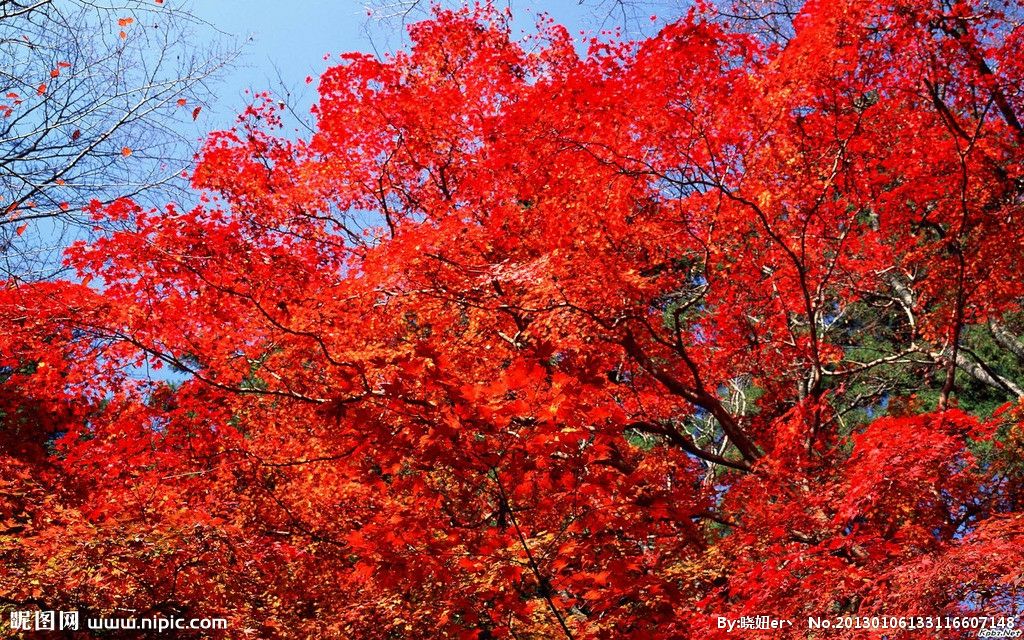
x: 539, y: 338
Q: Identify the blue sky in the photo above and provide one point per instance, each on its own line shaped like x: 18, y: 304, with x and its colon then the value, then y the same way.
x: 288, y: 40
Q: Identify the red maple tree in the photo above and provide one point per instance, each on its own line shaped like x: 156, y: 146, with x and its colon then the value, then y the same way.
x: 529, y: 341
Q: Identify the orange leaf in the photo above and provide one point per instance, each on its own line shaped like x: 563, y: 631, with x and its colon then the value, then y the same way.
x: 125, y: 151
x: 54, y: 73
x: 123, y: 35
x: 182, y: 102
x: 42, y: 89
x: 124, y: 22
